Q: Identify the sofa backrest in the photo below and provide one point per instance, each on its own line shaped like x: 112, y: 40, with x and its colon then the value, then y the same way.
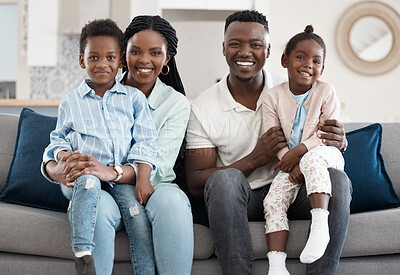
x: 390, y: 148
x: 8, y: 134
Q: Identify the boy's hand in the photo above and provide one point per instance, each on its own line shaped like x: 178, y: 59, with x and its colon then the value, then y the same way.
x: 144, y: 190
x: 296, y: 176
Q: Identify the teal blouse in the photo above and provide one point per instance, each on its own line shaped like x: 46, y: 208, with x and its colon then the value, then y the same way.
x: 170, y: 111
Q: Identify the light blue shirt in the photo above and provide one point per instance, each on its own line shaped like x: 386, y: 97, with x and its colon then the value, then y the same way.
x: 116, y: 129
x: 300, y: 119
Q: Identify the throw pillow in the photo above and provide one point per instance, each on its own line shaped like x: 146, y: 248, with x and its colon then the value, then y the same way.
x: 25, y: 183
x: 364, y: 165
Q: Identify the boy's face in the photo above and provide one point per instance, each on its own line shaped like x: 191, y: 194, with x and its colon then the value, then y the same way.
x: 246, y: 48
x: 101, y: 60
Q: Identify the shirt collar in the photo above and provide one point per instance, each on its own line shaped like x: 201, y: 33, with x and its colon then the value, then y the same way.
x: 84, y: 88
x: 229, y: 103
x: 156, y: 96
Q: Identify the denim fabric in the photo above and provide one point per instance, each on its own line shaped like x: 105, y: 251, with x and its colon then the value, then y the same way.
x: 226, y: 195
x: 137, y: 227
x: 160, y: 233
x: 108, y: 222
x: 231, y: 204
x: 82, y: 211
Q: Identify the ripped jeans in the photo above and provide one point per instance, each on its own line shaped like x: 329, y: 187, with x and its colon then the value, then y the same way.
x: 160, y: 233
x: 82, y: 211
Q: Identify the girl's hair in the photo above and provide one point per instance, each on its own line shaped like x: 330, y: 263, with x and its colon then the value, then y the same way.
x: 163, y: 27
x: 101, y: 27
x: 247, y: 16
x: 306, y: 35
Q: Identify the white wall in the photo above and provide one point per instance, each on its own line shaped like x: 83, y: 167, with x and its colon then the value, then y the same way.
x: 200, y: 59
x: 8, y: 46
x: 365, y: 98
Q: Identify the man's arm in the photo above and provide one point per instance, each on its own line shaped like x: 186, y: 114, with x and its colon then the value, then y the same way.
x: 201, y: 163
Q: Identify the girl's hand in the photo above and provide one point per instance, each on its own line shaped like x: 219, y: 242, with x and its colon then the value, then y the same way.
x: 144, y: 190
x: 296, y: 176
x: 288, y: 162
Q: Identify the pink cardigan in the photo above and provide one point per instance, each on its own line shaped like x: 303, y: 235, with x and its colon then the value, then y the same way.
x: 279, y: 109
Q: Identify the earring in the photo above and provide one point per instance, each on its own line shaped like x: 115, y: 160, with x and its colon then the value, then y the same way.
x: 167, y: 70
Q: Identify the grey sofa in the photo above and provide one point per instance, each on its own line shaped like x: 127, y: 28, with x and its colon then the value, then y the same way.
x: 36, y: 241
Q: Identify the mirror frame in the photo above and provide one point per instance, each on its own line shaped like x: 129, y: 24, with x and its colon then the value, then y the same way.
x: 346, y: 52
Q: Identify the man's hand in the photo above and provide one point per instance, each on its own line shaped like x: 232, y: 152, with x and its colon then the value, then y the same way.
x: 296, y: 176
x: 268, y: 146
x: 333, y: 134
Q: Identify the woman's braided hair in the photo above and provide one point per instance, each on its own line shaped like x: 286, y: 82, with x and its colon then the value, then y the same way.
x: 163, y: 27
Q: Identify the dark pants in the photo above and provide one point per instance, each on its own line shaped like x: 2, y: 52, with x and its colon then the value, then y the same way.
x: 230, y: 204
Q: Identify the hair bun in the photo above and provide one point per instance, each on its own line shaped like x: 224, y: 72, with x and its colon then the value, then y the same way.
x: 309, y: 29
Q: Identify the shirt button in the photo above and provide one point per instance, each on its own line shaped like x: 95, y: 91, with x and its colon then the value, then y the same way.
x: 108, y: 118
x: 114, y: 137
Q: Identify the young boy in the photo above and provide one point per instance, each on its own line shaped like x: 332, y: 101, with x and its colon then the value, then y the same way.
x: 108, y: 121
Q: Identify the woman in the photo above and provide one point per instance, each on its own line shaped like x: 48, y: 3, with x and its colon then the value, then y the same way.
x: 159, y: 226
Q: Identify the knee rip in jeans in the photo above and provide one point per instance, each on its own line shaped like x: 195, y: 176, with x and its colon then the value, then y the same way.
x: 134, y: 210
x: 90, y: 183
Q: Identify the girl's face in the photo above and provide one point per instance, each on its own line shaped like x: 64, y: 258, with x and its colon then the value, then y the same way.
x: 305, y: 64
x: 146, y: 54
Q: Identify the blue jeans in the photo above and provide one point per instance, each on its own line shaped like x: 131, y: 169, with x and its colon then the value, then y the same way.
x: 160, y: 233
x: 107, y: 222
x: 82, y: 211
x: 230, y: 204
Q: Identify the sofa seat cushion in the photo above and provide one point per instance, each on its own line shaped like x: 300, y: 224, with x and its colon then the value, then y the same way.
x: 34, y: 231
x: 370, y: 233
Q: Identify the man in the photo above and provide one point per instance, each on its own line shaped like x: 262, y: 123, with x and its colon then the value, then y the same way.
x: 229, y: 158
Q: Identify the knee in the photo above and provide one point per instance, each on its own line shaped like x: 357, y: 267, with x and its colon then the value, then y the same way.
x: 88, y: 182
x: 169, y: 199
x: 226, y: 182
x: 341, y: 187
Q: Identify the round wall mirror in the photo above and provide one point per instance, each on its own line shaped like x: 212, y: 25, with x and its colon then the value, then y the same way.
x: 367, y: 38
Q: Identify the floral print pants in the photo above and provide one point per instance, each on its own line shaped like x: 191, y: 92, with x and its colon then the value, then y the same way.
x: 314, y: 166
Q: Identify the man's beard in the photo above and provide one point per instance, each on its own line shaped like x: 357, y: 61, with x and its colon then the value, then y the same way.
x: 243, y: 79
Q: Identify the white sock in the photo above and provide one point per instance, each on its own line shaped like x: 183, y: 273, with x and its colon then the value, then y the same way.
x: 277, y: 263
x: 80, y: 254
x: 319, y: 236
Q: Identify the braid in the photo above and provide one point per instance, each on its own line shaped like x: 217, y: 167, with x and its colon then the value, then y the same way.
x: 307, y: 34
x: 163, y: 27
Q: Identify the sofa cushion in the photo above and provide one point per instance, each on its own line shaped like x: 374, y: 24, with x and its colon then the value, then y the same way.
x: 25, y: 184
x: 372, y: 188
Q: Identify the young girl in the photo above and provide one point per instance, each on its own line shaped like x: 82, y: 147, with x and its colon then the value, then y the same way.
x: 300, y: 106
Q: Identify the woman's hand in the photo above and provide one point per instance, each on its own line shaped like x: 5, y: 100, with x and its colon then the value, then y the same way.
x: 333, y: 134
x: 68, y: 165
x: 92, y: 167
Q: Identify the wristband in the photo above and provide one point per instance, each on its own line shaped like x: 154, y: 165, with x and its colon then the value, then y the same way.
x: 119, y: 171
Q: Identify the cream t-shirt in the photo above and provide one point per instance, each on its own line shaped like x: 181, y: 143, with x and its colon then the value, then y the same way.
x: 218, y: 121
